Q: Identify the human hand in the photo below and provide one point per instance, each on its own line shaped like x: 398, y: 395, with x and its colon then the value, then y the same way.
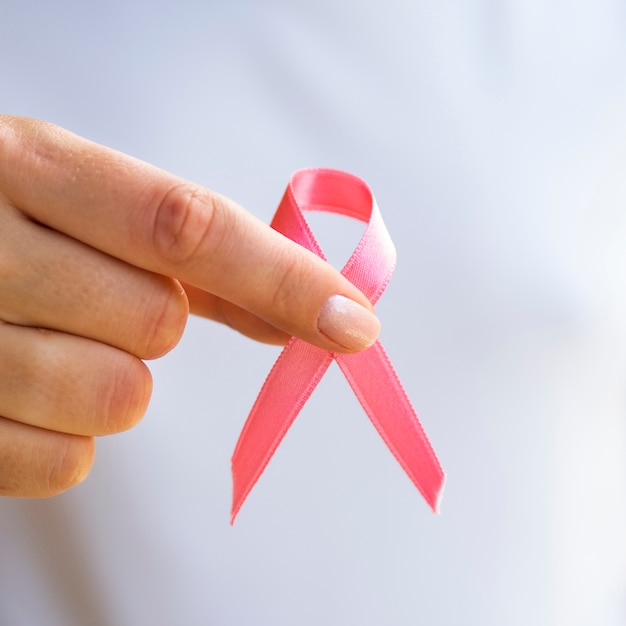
x: 101, y: 258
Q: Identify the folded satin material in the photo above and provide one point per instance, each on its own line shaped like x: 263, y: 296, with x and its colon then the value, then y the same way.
x: 300, y: 366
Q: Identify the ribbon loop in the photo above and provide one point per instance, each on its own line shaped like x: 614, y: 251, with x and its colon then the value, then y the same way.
x: 300, y: 366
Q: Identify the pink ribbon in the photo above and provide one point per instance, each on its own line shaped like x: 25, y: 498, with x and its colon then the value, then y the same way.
x: 300, y: 366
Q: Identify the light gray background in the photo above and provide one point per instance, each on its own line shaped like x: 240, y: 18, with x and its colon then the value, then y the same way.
x: 494, y: 137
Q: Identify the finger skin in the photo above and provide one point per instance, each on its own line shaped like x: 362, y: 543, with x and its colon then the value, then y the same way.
x: 158, y: 222
x: 50, y: 280
x: 70, y: 384
x: 38, y: 463
x: 208, y: 305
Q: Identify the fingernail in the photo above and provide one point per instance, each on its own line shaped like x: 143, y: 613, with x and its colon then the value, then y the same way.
x: 348, y: 323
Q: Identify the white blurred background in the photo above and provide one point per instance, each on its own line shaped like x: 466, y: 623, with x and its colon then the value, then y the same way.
x: 494, y: 137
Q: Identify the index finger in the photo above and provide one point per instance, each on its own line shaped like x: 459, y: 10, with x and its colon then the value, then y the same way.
x: 154, y: 220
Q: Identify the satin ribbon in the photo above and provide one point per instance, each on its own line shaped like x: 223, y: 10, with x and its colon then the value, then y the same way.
x: 300, y: 366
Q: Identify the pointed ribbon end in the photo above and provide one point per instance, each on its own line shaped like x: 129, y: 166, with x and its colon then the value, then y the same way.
x: 434, y: 499
x: 239, y: 497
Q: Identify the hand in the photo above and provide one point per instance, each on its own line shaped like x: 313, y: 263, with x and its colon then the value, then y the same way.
x: 101, y: 258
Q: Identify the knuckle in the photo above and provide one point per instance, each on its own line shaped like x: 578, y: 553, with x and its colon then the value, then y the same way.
x: 70, y: 463
x: 164, y: 320
x: 11, y: 127
x: 36, y: 462
x: 124, y: 398
x: 183, y: 219
x: 23, y: 136
x: 291, y: 279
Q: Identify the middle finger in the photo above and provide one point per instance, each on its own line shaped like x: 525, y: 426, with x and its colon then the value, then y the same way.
x: 50, y: 280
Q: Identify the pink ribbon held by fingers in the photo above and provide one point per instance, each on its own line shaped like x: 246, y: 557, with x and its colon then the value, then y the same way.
x: 300, y: 366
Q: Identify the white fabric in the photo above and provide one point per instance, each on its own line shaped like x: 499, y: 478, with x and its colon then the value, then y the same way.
x: 494, y: 137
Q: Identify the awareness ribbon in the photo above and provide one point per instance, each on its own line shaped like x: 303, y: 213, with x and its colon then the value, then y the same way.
x: 300, y: 366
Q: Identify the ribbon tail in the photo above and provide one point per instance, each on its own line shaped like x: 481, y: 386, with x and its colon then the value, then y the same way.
x: 288, y: 386
x: 379, y: 390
